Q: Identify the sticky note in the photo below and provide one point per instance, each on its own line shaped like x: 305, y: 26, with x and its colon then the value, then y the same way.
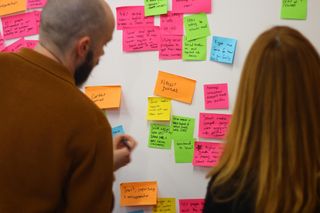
x: 155, y: 7
x: 223, y: 49
x: 133, y: 16
x: 37, y: 15
x: 196, y: 26
x: 117, y: 130
x: 216, y: 96
x: 175, y: 87
x: 207, y: 153
x: 165, y: 205
x: 171, y: 24
x: 213, y: 125
x: 105, y: 97
x: 170, y: 47
x: 137, y: 211
x: 183, y: 150
x: 141, y: 39
x: 1, y: 42
x: 20, y: 25
x: 12, y: 6
x: 31, y: 4
x: 194, y: 50
x: 294, y: 9
x: 16, y: 46
x: 159, y: 109
x: 31, y: 43
x: 159, y: 136
x: 191, y: 205
x: 182, y: 127
x: 138, y: 193
x: 191, y: 6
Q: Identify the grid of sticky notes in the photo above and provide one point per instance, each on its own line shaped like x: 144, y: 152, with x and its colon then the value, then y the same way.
x: 20, y: 19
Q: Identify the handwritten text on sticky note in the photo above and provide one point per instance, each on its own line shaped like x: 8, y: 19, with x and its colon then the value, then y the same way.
x: 191, y: 6
x: 160, y: 136
x: 12, y: 6
x: 216, y: 96
x: 223, y: 49
x: 194, y: 50
x: 170, y: 47
x: 132, y: 16
x: 171, y: 24
x: 138, y: 193
x: 196, y: 26
x: 213, y: 125
x: 165, y: 205
x: 155, y: 7
x: 159, y: 109
x: 207, y: 153
x: 141, y: 39
x: 294, y: 9
x: 175, y: 87
x: 183, y: 150
x: 36, y: 3
x: 117, y: 130
x: 191, y: 205
x: 105, y: 97
x: 182, y: 127
x: 16, y: 46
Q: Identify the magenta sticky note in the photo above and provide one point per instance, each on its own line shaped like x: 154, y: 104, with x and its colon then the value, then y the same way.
x: 133, y: 16
x: 31, y: 43
x: 1, y: 42
x: 37, y: 16
x: 171, y: 24
x: 213, y: 125
x: 31, y: 4
x: 207, y: 153
x: 141, y: 39
x: 170, y: 47
x: 191, y: 205
x: 20, y: 25
x: 216, y: 96
x: 16, y: 46
x: 191, y: 6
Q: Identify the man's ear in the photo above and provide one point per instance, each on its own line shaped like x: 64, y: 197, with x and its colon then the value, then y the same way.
x: 82, y: 46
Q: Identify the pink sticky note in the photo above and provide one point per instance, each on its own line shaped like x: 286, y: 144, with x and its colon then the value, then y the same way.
x: 19, y: 25
x: 191, y: 6
x: 36, y: 3
x: 170, y: 47
x: 207, y: 153
x: 16, y: 46
x: 171, y: 24
x: 133, y: 16
x: 141, y: 39
x: 213, y: 125
x: 216, y: 96
x: 191, y: 205
x: 37, y: 16
x: 1, y: 42
x: 31, y: 43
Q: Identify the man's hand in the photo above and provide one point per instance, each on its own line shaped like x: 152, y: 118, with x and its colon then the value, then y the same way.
x: 122, y: 147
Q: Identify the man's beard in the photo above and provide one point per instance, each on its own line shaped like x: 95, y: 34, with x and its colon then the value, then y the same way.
x: 83, y: 71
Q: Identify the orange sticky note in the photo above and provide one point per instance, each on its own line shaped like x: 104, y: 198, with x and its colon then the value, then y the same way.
x: 12, y: 6
x: 105, y: 97
x: 175, y: 87
x: 138, y: 193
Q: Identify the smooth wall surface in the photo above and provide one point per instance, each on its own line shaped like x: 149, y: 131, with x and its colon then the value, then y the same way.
x: 136, y: 72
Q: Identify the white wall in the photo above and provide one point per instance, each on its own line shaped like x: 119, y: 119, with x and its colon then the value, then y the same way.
x: 243, y: 20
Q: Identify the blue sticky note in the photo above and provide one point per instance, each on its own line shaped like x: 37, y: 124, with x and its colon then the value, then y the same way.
x: 138, y: 211
x: 223, y: 49
x: 117, y: 130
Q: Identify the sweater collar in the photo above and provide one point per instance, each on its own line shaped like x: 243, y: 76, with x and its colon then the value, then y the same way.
x: 46, y: 63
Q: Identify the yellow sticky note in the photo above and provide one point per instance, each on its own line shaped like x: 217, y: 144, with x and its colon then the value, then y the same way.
x: 105, y: 97
x: 175, y: 87
x: 12, y: 6
x: 159, y: 109
x: 165, y: 205
x: 138, y: 193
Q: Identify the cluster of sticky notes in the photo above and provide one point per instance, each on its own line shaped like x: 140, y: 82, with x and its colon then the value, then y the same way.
x: 138, y: 193
x: 105, y: 97
x: 175, y: 87
x: 216, y: 96
x: 213, y: 125
x: 207, y: 153
x: 294, y: 9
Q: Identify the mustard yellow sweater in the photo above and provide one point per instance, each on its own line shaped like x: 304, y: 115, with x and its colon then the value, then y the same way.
x: 56, y: 152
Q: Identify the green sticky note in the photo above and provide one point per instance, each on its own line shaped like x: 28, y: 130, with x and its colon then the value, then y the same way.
x: 183, y: 150
x: 196, y: 26
x: 159, y: 136
x: 294, y: 9
x: 182, y: 127
x: 194, y: 50
x: 155, y: 7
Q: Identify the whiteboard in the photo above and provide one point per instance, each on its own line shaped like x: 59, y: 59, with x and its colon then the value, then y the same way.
x: 137, y: 72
